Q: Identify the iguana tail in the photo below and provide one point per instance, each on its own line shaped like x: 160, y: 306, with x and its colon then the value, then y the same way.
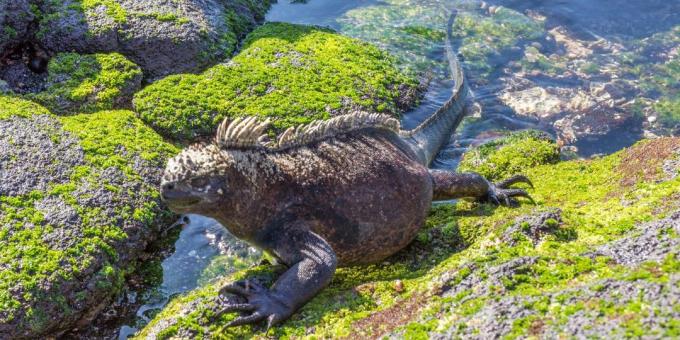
x: 428, y: 137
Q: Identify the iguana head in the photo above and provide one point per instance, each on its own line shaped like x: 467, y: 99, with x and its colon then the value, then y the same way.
x: 194, y: 180
x: 199, y: 177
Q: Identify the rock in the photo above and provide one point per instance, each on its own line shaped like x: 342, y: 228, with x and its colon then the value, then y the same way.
x: 291, y: 73
x: 654, y: 242
x: 78, y: 205
x: 510, y: 155
x: 162, y: 37
x: 89, y: 83
x: 535, y: 226
x: 15, y: 20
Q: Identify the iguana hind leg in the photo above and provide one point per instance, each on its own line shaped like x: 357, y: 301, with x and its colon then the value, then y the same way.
x: 452, y: 185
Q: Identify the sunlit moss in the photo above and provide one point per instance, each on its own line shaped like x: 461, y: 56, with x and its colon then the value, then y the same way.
x: 293, y: 74
x: 88, y: 83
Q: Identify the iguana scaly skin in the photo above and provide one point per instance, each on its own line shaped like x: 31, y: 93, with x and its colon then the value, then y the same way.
x: 350, y: 190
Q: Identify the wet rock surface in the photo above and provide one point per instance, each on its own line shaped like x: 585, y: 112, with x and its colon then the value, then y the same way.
x: 15, y: 22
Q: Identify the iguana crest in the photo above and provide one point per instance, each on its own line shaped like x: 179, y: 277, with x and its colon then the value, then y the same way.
x: 248, y: 132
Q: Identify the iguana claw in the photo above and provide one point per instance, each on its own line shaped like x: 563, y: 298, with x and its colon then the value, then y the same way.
x: 261, y: 304
x: 501, y: 194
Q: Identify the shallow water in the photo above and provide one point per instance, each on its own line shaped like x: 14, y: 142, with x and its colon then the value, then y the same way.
x: 587, y: 74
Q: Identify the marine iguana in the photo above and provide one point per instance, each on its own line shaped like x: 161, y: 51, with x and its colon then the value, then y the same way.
x: 354, y: 189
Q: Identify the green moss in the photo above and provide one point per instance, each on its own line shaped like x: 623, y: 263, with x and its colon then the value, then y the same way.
x: 588, y: 192
x: 511, y: 155
x: 293, y: 74
x: 35, y: 265
x: 113, y: 8
x: 669, y: 112
x: 14, y: 106
x: 88, y: 83
x: 9, y: 32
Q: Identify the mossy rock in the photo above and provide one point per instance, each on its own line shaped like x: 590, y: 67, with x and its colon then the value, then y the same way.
x: 291, y: 73
x: 462, y: 277
x: 15, y: 21
x: 162, y: 37
x: 511, y: 155
x: 78, y: 204
x: 88, y: 83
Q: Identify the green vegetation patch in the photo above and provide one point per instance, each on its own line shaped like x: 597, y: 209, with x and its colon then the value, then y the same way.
x: 293, y: 74
x: 89, y: 83
x: 511, y: 155
x: 11, y: 106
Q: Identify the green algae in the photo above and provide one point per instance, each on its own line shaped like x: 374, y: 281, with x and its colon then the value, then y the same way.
x: 88, y: 83
x: 510, y: 155
x: 36, y: 267
x: 11, y: 106
x: 293, y: 74
x: 589, y: 192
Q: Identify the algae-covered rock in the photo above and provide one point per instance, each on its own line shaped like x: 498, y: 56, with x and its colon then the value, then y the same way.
x: 15, y: 19
x: 87, y: 83
x: 162, y: 37
x: 78, y: 205
x: 510, y: 155
x: 293, y: 74
x: 480, y: 270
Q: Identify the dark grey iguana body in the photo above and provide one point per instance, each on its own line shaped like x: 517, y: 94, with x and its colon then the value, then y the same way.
x: 352, y: 190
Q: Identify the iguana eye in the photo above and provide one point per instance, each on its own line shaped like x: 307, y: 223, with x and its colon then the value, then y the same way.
x: 199, y: 182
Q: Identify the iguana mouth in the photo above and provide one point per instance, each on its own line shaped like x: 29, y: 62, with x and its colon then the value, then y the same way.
x: 182, y: 202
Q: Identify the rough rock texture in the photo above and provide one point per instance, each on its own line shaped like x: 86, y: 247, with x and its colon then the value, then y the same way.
x: 535, y: 227
x: 655, y: 241
x: 15, y: 21
x: 162, y: 37
x: 78, y: 205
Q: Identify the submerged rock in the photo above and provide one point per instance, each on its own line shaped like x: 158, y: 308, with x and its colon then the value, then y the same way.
x: 78, y: 205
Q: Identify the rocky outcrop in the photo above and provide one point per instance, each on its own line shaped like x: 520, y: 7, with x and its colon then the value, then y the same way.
x: 292, y: 73
x: 162, y: 37
x: 78, y: 205
x: 87, y: 83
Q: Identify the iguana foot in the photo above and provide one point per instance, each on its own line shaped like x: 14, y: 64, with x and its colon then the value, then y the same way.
x: 502, y: 193
x: 260, y: 303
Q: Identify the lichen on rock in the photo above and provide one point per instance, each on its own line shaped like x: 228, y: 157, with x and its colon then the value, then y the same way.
x: 291, y: 73
x: 78, y: 204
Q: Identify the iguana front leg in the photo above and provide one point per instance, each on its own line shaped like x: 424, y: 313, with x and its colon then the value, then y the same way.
x: 311, y: 263
x: 451, y: 185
